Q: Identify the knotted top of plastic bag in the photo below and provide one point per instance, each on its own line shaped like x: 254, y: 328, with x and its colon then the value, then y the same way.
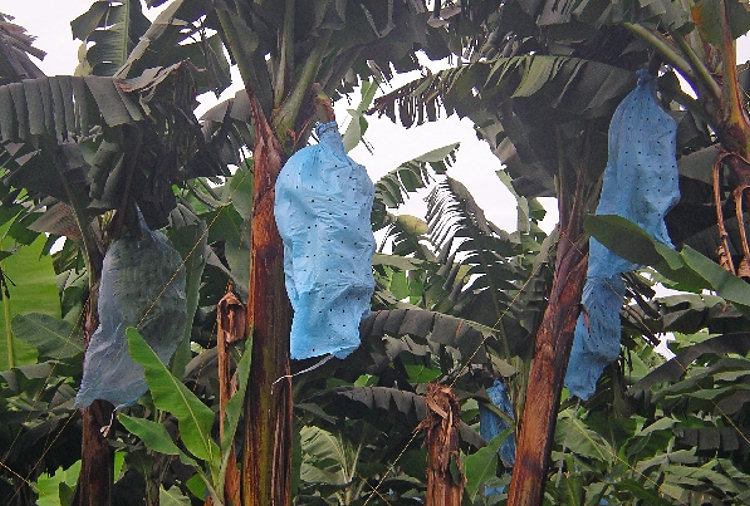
x: 142, y: 285
x: 323, y: 207
x: 640, y: 184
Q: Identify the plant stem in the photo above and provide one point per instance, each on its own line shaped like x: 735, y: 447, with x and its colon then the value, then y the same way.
x: 441, y: 425
x: 734, y: 117
x: 92, y: 255
x: 8, y: 331
x: 130, y: 159
x: 664, y: 49
x: 286, y: 54
x: 267, y: 463
x: 287, y: 114
x: 95, y: 481
x: 499, y: 412
x: 552, y: 345
x: 702, y: 73
x: 251, y: 70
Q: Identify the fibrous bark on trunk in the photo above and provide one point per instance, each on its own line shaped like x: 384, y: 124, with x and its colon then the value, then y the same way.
x: 268, y: 409
x: 230, y: 328
x: 445, y: 480
x: 551, y: 352
x: 97, y: 458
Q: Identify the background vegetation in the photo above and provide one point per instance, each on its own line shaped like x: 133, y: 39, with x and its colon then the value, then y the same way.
x: 458, y: 301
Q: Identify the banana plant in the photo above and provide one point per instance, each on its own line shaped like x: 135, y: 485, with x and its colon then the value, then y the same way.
x: 327, y: 43
x: 195, y: 420
x: 540, y: 76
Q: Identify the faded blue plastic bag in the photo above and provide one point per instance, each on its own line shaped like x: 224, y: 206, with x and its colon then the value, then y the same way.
x: 142, y: 285
x: 640, y: 184
x: 491, y: 424
x: 323, y: 207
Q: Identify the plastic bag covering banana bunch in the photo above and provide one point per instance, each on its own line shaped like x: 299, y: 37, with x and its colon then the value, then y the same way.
x: 323, y: 206
x: 641, y: 185
x: 491, y: 424
x: 142, y: 285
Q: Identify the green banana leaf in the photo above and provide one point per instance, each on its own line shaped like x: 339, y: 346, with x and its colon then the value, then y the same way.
x: 31, y: 286
x: 195, y: 419
x: 689, y: 269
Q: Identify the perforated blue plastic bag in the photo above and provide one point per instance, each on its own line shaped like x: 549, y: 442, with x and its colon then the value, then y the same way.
x: 323, y: 207
x: 640, y: 184
x: 142, y: 285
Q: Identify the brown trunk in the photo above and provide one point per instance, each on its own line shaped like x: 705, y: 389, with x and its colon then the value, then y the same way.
x: 268, y: 410
x: 97, y: 459
x: 552, y: 350
x: 445, y: 480
x: 231, y: 327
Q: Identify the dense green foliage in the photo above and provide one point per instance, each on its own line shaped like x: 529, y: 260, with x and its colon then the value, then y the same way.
x: 458, y: 300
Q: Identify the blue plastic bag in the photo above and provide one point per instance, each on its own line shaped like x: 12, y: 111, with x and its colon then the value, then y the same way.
x: 323, y: 207
x: 143, y: 285
x: 640, y: 184
x: 491, y: 424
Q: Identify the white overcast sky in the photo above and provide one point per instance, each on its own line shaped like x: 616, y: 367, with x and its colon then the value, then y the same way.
x: 49, y: 22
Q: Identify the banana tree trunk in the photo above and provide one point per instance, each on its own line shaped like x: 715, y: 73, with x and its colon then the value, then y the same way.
x: 266, y: 470
x: 230, y: 328
x: 551, y: 352
x: 445, y: 480
x: 97, y: 459
x: 94, y: 487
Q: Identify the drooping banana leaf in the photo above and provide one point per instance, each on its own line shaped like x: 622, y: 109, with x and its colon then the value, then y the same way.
x: 468, y: 338
x: 361, y: 402
x: 393, y: 187
x: 59, y: 107
x: 105, y: 136
x: 15, y: 47
x: 507, y: 109
x: 725, y: 439
x: 179, y: 33
x: 677, y: 367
